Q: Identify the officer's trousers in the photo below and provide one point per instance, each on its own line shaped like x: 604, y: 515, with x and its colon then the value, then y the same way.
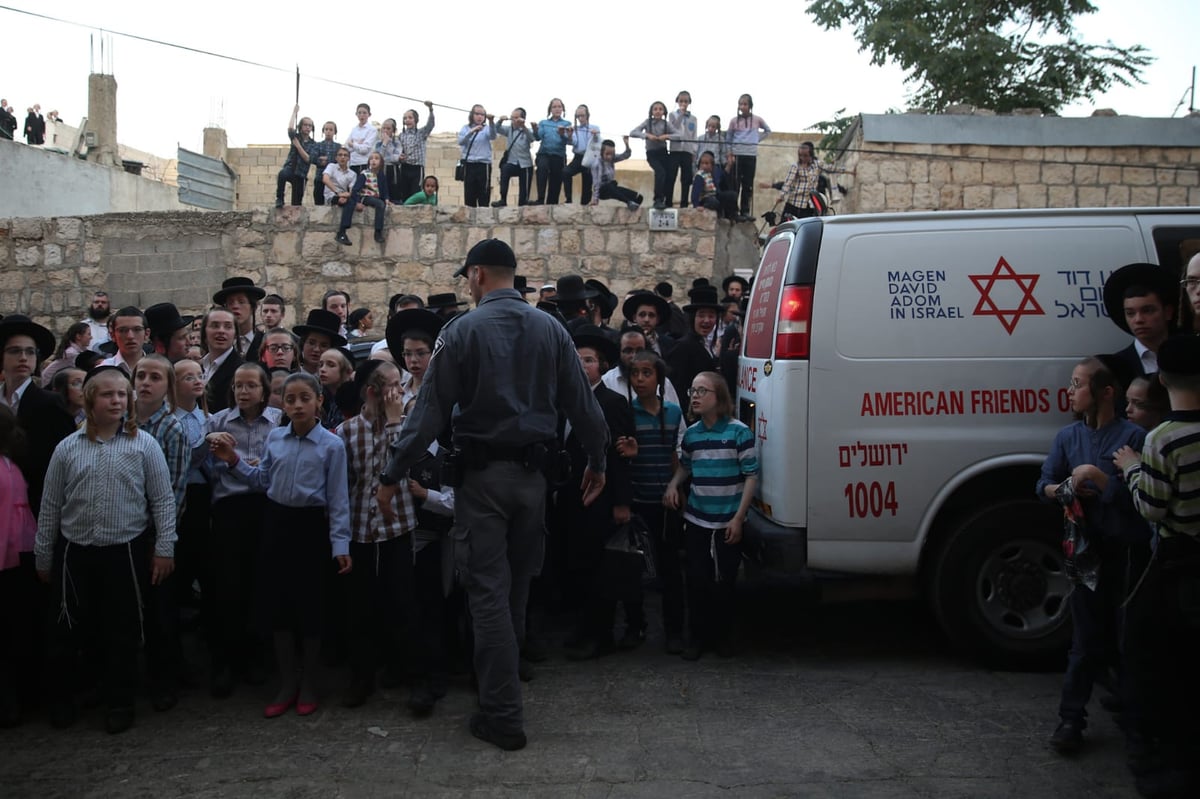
x: 499, y: 541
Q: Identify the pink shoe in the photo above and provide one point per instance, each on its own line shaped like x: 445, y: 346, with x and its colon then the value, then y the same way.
x: 277, y: 709
x: 306, y: 708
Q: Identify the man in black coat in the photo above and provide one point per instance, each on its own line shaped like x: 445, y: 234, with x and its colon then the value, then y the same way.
x: 586, y: 530
x: 1140, y: 299
x: 40, y: 413
x: 8, y: 122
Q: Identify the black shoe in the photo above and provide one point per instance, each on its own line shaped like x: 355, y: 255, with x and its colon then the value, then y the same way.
x: 674, y: 645
x: 342, y: 238
x: 525, y: 670
x: 63, y: 714
x: 1112, y: 703
x: 659, y: 205
x: 1173, y: 783
x: 1067, y: 737
x: 499, y: 204
x: 360, y: 688
x: 482, y: 729
x: 590, y: 650
x: 118, y: 719
x: 691, y: 652
x: 745, y: 218
x: 421, y: 700
x: 279, y: 203
x: 162, y: 699
x: 220, y: 686
x: 379, y: 236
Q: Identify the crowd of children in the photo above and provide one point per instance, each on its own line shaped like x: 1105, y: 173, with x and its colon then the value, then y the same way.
x: 378, y: 166
x: 244, y: 467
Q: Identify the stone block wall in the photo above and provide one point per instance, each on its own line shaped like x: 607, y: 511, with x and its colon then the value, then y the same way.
x: 49, y: 267
x: 905, y: 176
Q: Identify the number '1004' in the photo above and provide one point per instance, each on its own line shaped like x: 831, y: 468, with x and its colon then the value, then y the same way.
x: 870, y: 499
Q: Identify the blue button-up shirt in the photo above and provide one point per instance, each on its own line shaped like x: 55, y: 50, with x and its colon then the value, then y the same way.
x: 251, y: 445
x: 307, y: 471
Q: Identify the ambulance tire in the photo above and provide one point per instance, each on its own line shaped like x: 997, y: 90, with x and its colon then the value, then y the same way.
x: 999, y: 589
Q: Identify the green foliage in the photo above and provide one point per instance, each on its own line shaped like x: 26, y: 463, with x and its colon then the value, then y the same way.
x: 997, y: 54
x: 831, y: 131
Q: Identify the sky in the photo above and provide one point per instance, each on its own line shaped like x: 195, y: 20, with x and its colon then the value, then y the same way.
x: 616, y: 59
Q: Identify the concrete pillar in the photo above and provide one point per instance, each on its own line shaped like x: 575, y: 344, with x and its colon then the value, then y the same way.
x: 102, y: 119
x: 216, y: 143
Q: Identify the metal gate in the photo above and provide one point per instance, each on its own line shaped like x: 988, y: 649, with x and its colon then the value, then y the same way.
x: 205, y: 182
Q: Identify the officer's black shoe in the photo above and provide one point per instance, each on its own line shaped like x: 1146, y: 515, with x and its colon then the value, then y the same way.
x: 220, y: 686
x: 482, y: 729
x: 360, y: 688
x: 118, y: 719
x: 1067, y: 737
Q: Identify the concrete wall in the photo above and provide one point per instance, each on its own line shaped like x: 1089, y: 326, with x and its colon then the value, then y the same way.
x: 923, y: 163
x: 38, y: 182
x: 50, y: 267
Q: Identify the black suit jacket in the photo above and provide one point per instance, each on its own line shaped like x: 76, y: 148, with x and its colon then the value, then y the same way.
x: 252, y: 352
x: 1127, y: 365
x: 219, y: 384
x: 45, y: 420
x: 688, y: 358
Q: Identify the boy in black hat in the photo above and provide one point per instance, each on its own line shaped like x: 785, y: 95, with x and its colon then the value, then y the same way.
x: 40, y: 413
x: 169, y: 331
x: 1163, y: 617
x: 1140, y: 299
x: 241, y: 297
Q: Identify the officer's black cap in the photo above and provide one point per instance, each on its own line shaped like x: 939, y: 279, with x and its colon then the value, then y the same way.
x: 489, y: 252
x: 1180, y: 355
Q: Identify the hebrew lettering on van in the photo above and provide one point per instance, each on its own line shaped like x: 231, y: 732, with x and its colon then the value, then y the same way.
x: 1006, y: 295
x: 871, y: 454
x: 916, y: 294
x: 1085, y: 296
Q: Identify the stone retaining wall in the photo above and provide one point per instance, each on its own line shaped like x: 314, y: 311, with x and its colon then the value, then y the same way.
x: 50, y: 267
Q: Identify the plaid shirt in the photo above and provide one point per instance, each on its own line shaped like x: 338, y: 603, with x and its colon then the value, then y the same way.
x: 413, y: 142
x: 801, y: 181
x: 169, y: 433
x: 367, y: 453
x: 328, y: 149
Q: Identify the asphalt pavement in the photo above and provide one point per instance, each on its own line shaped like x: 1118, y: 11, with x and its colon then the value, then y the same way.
x: 857, y: 699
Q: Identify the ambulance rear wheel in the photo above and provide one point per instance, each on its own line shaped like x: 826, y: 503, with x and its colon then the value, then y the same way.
x: 999, y: 588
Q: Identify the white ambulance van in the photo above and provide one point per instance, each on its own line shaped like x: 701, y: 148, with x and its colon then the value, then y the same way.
x: 904, y: 376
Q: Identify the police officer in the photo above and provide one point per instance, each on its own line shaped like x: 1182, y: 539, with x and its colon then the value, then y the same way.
x: 509, y: 369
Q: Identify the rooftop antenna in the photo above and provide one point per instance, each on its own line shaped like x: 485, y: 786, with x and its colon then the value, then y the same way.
x: 1189, y: 94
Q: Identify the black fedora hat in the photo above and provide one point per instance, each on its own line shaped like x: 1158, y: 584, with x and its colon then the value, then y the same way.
x: 164, y: 319
x: 605, y: 299
x: 448, y: 300
x: 412, y: 319
x: 642, y: 297
x: 592, y: 336
x: 1158, y: 279
x: 522, y: 285
x: 571, y: 288
x: 699, y: 283
x: 1180, y: 355
x: 239, y: 285
x: 489, y: 252
x: 745, y: 284
x: 322, y: 321
x: 702, y: 297
x: 20, y: 325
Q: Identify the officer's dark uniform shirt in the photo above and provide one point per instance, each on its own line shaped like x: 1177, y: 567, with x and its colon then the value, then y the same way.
x: 505, y: 371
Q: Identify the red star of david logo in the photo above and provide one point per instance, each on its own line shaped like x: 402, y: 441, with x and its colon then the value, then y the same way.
x: 762, y: 425
x: 1026, y: 305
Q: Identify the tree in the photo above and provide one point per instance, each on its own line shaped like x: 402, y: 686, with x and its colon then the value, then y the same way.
x: 997, y: 54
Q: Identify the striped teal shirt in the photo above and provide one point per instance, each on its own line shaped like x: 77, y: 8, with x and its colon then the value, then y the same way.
x: 658, y: 439
x: 1166, y: 484
x: 719, y: 458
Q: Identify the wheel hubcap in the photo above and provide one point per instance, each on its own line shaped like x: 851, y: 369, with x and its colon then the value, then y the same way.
x: 1022, y: 589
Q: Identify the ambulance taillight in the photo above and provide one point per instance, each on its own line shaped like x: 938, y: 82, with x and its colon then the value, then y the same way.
x: 795, y: 315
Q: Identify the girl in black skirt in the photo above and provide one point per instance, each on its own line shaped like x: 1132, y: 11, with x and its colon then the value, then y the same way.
x: 307, y: 521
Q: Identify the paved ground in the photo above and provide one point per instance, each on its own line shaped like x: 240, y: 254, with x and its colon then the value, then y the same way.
x: 852, y: 700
